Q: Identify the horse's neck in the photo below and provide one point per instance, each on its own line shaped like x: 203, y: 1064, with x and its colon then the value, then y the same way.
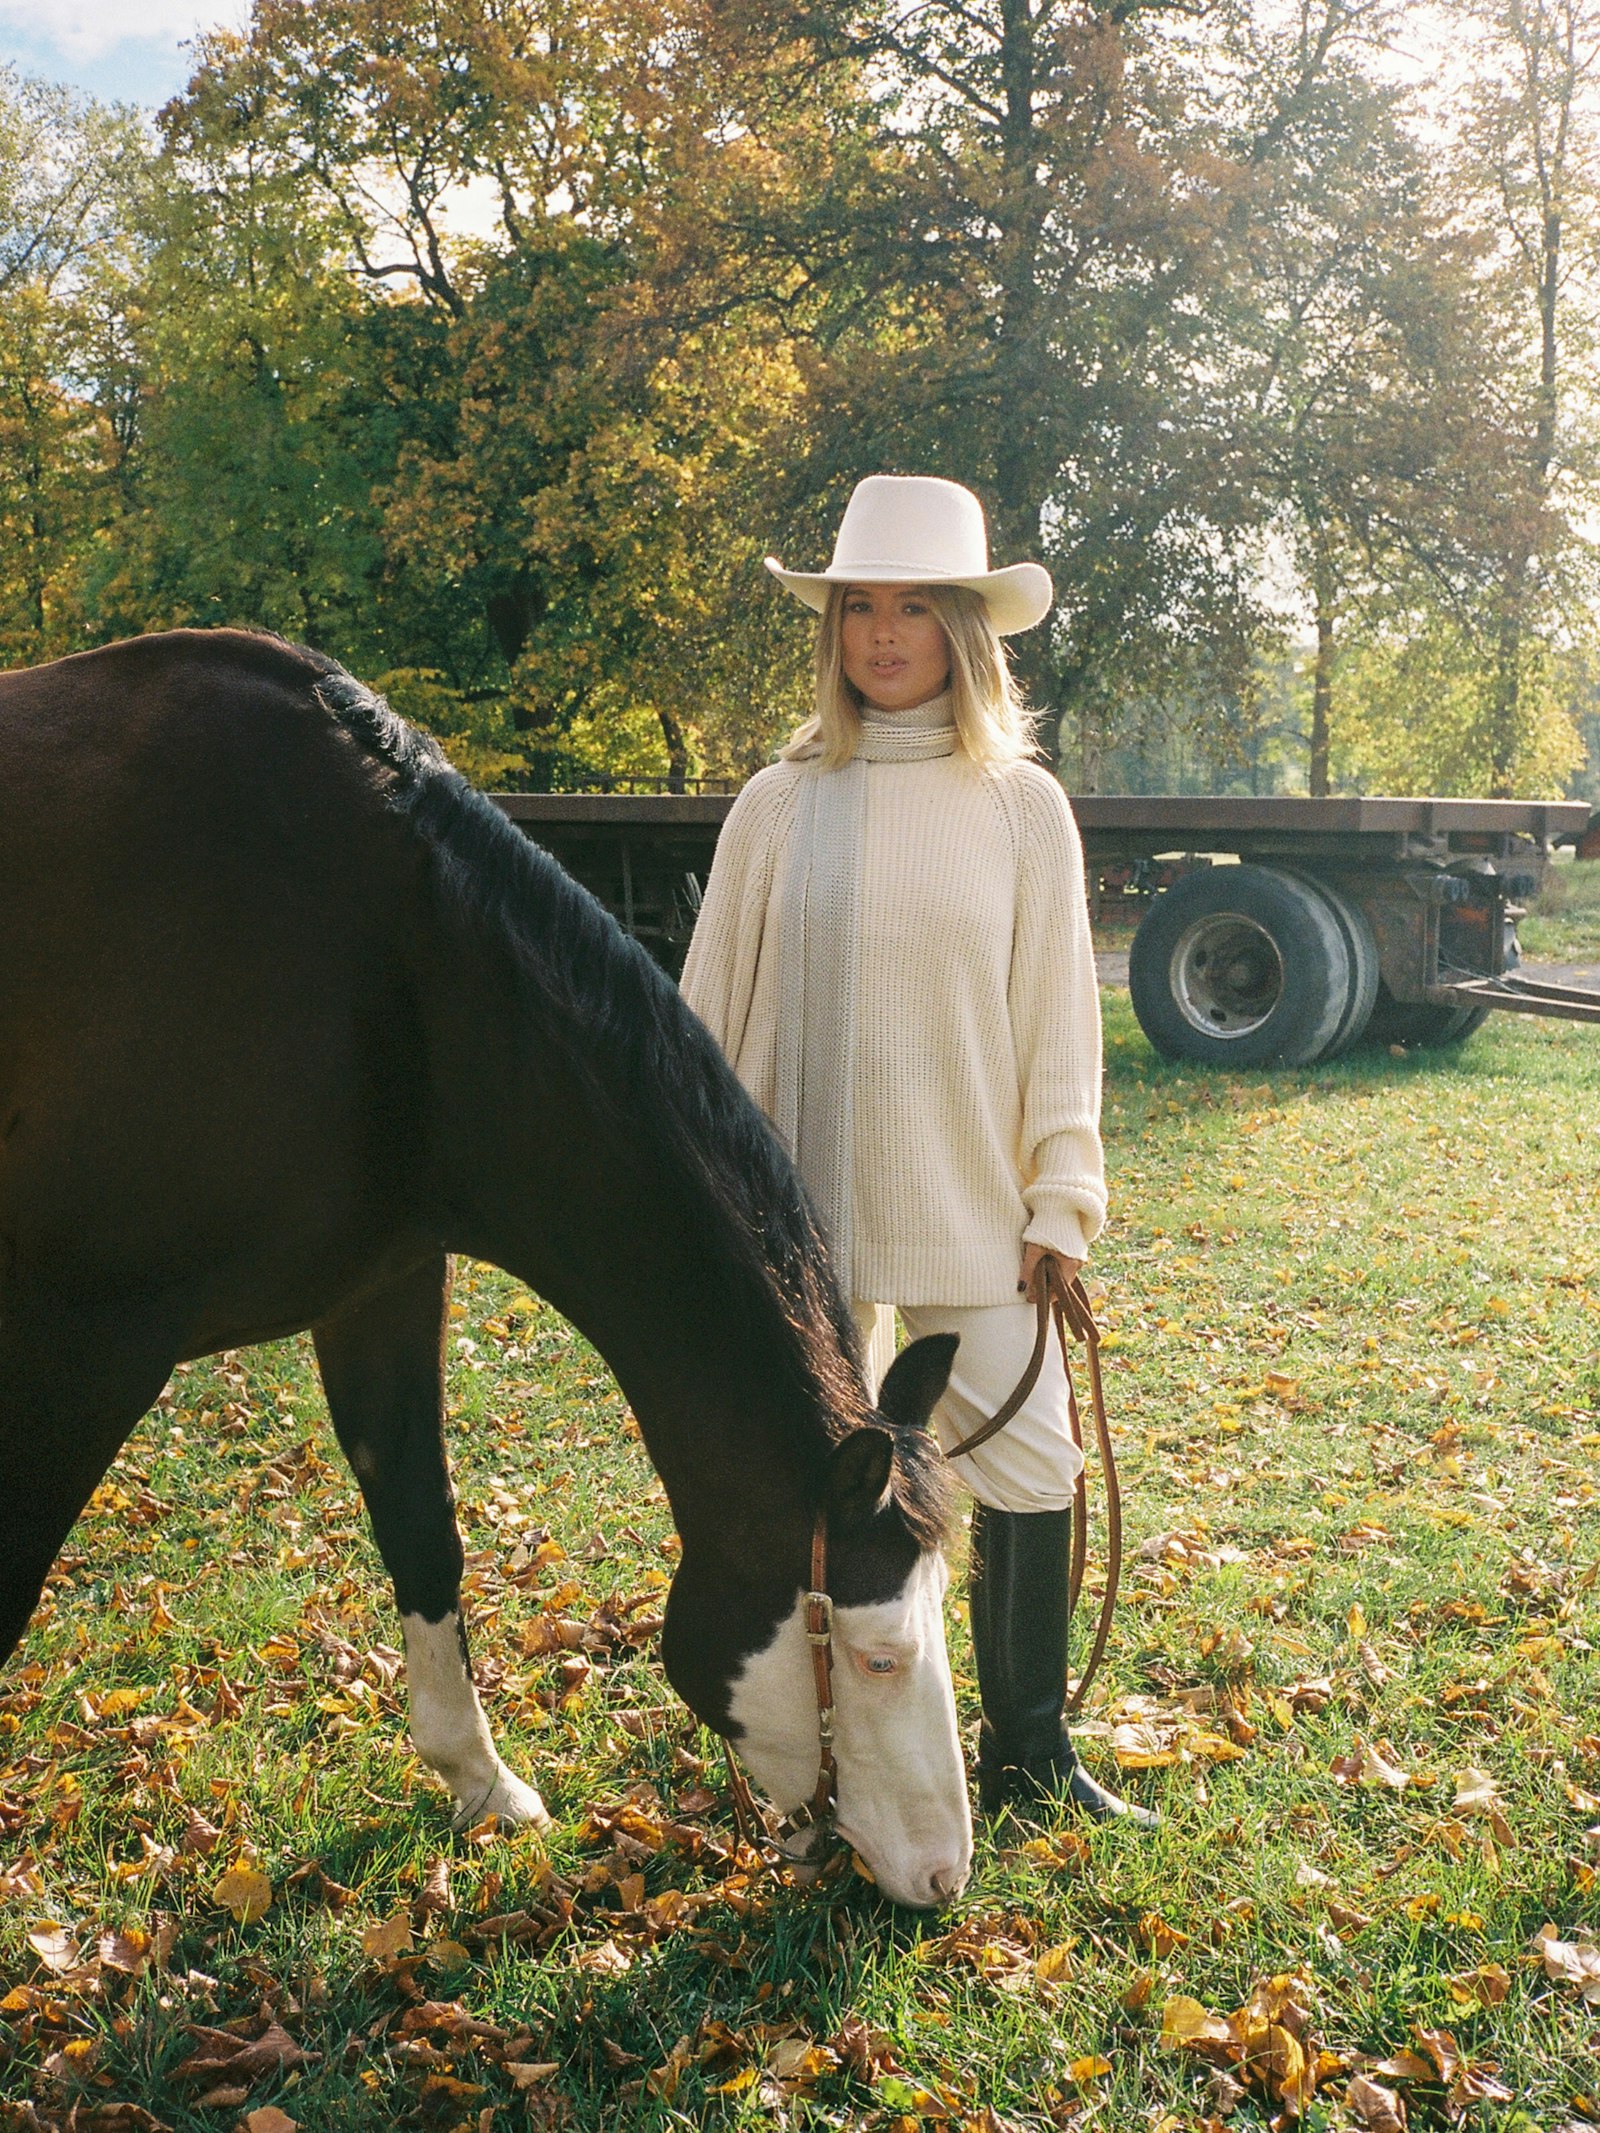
x: 562, y: 1192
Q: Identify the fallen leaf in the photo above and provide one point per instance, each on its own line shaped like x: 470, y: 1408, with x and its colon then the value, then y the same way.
x: 1569, y: 1962
x: 528, y: 2073
x: 226, y: 2056
x: 269, y: 2119
x: 435, y: 1887
x: 1379, y: 2109
x: 391, y: 1938
x: 245, y: 1891
x: 1186, y: 2023
x: 1488, y: 1984
x: 55, y: 1948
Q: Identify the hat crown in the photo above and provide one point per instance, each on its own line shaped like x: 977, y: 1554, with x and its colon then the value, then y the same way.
x: 914, y: 526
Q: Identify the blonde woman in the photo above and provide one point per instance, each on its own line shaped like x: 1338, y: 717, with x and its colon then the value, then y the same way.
x: 894, y: 953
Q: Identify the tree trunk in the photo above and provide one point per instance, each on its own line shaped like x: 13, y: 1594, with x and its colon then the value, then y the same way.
x: 677, y: 749
x: 1322, y: 676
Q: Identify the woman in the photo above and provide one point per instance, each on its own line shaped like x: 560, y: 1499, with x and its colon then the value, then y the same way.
x: 894, y: 953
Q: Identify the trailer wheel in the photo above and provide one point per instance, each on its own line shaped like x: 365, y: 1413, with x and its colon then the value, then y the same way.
x: 1361, y: 947
x: 1241, y: 966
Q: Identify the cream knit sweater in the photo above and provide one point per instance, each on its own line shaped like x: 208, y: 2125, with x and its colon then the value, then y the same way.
x: 977, y: 1096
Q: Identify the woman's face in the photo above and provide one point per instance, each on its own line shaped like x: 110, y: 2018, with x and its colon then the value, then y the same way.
x: 894, y: 646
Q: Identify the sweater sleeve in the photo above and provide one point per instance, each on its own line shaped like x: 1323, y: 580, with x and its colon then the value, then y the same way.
x: 719, y: 972
x: 1055, y: 1018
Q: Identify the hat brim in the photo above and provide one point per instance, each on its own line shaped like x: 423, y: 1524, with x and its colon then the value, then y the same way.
x: 1017, y: 598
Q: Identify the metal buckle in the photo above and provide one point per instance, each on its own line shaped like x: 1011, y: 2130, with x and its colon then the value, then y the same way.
x: 819, y: 1603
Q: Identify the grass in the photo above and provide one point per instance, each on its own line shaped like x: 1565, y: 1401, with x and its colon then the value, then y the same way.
x: 1563, y: 924
x: 1352, y: 1321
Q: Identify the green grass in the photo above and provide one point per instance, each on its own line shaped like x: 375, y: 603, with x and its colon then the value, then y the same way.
x: 1563, y: 924
x: 1355, y: 1376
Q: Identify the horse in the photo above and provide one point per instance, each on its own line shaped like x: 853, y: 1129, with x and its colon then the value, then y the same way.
x: 289, y: 1017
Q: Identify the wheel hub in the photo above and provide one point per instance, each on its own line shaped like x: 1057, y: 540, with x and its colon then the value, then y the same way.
x: 1227, y: 975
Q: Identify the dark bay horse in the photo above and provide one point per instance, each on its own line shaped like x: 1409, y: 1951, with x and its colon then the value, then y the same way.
x: 287, y: 1015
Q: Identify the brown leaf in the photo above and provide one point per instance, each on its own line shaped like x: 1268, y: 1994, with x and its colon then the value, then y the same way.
x: 201, y: 1837
x: 1442, y: 2048
x: 127, y: 1951
x: 1379, y: 2109
x: 389, y: 1939
x: 269, y: 2119
x: 435, y: 1895
x: 223, y: 2055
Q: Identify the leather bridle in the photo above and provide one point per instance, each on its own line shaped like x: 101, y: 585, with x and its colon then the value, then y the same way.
x: 769, y: 1833
x: 1063, y: 1304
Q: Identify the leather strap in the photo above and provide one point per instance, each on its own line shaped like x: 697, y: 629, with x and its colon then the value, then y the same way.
x: 1066, y: 1304
x: 765, y: 1832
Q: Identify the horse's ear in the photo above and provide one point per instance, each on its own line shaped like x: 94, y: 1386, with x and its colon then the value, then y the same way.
x: 859, y: 1470
x: 916, y: 1380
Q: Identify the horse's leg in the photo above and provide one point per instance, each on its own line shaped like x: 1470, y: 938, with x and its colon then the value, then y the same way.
x: 73, y: 1382
x: 383, y: 1370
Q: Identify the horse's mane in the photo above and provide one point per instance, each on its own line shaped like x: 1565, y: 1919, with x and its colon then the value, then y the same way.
x: 621, y: 1023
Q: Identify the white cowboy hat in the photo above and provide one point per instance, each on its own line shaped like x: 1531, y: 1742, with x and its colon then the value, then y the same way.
x: 912, y: 529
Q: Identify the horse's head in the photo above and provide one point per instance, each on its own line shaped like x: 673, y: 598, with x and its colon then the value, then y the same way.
x: 736, y: 1648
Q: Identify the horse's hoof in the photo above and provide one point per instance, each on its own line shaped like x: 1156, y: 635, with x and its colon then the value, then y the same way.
x: 513, y: 1804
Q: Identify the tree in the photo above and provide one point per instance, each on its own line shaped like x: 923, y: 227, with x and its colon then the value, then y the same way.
x: 68, y: 173
x: 1530, y: 166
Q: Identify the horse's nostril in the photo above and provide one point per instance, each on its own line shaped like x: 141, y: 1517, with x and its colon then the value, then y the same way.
x: 948, y: 1881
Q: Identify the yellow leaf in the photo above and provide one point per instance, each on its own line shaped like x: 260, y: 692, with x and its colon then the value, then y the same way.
x: 1089, y: 2069
x: 1054, y: 1965
x: 1356, y: 1622
x: 1186, y: 2022
x: 746, y: 2078
x: 245, y: 1891
x: 391, y: 1938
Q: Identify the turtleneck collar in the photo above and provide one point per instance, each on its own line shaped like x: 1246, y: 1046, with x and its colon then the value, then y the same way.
x: 937, y: 712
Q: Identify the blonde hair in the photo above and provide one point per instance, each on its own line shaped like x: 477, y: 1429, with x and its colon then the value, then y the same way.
x: 993, y: 725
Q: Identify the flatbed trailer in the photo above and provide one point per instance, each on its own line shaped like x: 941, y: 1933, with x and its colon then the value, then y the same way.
x: 1271, y: 930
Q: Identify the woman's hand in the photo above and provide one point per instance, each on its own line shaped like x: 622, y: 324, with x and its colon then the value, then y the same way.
x: 1034, y: 1256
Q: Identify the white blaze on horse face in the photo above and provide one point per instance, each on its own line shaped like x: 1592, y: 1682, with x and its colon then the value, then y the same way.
x: 902, y: 1782
x: 450, y: 1732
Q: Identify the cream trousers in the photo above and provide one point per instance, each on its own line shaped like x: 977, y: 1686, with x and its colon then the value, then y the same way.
x: 1033, y: 1464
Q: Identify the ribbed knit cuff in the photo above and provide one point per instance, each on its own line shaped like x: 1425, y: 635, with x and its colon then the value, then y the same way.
x: 1059, y: 1226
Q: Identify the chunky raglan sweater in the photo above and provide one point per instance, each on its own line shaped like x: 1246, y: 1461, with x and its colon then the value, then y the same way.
x: 977, y: 1093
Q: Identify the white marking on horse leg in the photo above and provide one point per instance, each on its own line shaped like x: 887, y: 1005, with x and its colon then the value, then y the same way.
x: 450, y: 1732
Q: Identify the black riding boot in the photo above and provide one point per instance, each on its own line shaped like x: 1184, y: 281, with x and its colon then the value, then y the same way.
x: 1019, y: 1609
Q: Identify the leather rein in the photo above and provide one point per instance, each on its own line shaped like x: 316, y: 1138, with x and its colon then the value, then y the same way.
x: 1064, y: 1305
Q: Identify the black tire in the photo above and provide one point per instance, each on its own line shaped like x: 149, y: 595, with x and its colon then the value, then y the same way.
x: 1422, y: 1025
x: 1361, y: 946
x: 1241, y: 966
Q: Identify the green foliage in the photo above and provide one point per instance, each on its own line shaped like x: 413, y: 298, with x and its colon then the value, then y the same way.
x: 496, y: 341
x: 1420, y: 717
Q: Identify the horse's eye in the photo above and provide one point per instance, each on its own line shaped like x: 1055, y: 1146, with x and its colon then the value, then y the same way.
x: 878, y: 1663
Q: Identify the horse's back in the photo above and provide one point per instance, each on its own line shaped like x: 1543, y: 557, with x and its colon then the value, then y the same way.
x: 200, y: 887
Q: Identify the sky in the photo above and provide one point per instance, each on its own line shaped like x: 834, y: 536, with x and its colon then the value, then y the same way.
x: 126, y: 51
